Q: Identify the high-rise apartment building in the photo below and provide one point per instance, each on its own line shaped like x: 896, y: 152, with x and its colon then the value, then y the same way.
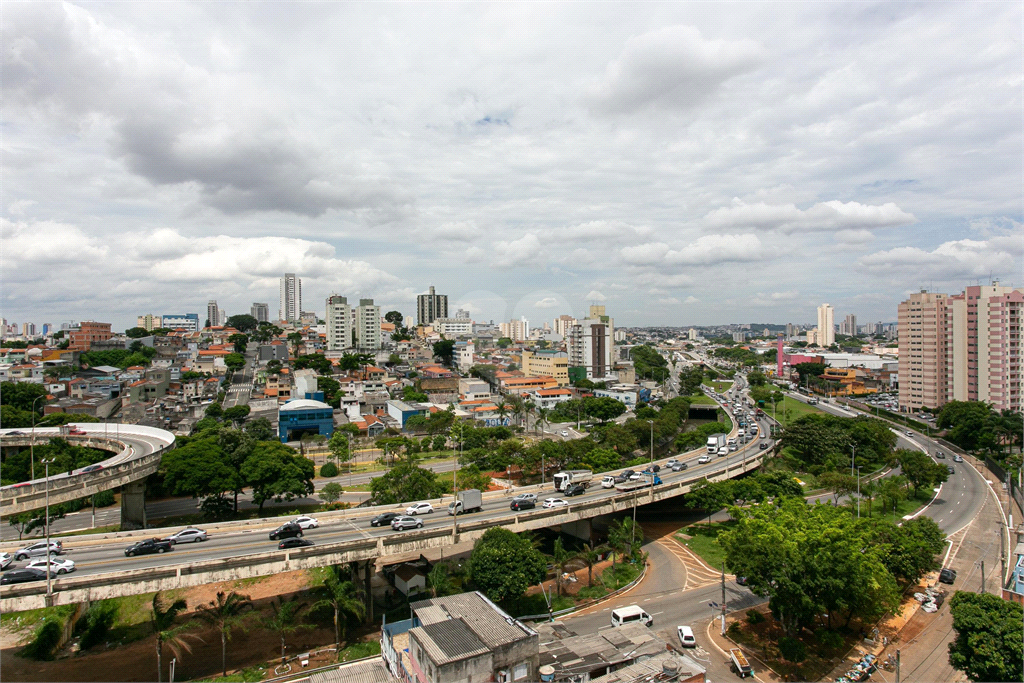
x: 692, y: 334
x: 430, y: 307
x: 339, y: 323
x: 214, y: 315
x: 367, y: 326
x: 922, y: 347
x: 591, y: 345
x: 261, y: 312
x: 516, y: 330
x: 28, y: 330
x: 790, y: 330
x: 149, y: 322
x: 849, y: 325
x: 291, y: 298
x: 563, y: 324
x: 826, y: 326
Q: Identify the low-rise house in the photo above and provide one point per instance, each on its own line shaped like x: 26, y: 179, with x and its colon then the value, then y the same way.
x: 549, y: 398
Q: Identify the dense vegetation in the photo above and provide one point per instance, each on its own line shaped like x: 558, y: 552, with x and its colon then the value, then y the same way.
x: 649, y: 364
x: 819, y: 442
x: 988, y: 645
x: 974, y: 426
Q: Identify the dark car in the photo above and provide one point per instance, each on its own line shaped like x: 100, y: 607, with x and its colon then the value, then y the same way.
x: 940, y: 455
x: 92, y: 468
x: 288, y: 530
x: 294, y: 543
x: 627, y: 474
x: 679, y: 467
x: 741, y: 580
x: 148, y: 547
x: 763, y: 446
x: 23, y: 575
x: 947, y: 576
x: 522, y: 504
x: 950, y: 469
x: 383, y: 519
x: 575, y: 490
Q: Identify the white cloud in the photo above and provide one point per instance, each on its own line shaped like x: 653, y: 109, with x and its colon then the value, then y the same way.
x: 691, y: 300
x: 669, y: 301
x: 546, y: 302
x: 594, y: 295
x: 673, y: 67
x: 824, y: 216
x: 999, y: 257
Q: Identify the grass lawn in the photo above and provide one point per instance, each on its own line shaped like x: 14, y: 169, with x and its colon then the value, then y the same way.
x: 719, y: 385
x: 791, y: 409
x: 704, y: 541
x: 98, y: 530
x: 702, y: 399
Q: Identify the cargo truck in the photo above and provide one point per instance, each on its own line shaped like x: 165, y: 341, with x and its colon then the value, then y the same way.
x: 469, y: 500
x: 716, y: 442
x: 564, y: 480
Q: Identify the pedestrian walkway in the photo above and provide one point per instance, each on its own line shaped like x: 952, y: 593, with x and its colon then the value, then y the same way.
x: 698, y: 574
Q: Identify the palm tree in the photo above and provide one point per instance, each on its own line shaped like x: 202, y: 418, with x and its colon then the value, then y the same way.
x: 439, y: 581
x: 563, y: 560
x: 542, y: 417
x: 285, y: 619
x: 224, y: 613
x: 175, y: 637
x: 503, y: 409
x: 891, y: 490
x: 869, y: 491
x: 342, y: 596
x: 591, y: 556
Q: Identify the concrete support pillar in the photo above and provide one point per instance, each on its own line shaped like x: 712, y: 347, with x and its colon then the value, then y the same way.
x: 581, y: 529
x: 133, y: 505
x: 369, y: 568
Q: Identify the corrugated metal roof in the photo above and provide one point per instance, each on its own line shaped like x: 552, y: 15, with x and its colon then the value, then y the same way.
x: 488, y: 622
x: 370, y: 671
x: 448, y: 641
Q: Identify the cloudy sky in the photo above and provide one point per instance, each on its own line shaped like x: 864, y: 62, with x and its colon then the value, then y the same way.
x: 682, y: 163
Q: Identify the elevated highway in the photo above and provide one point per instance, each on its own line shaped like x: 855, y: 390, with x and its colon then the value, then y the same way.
x: 136, y: 455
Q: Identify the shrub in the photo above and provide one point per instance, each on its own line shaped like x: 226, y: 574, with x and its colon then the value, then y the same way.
x: 329, y: 470
x: 104, y: 499
x: 754, y: 616
x: 98, y: 620
x: 734, y: 630
x: 45, y: 641
x: 829, y: 639
x: 792, y: 649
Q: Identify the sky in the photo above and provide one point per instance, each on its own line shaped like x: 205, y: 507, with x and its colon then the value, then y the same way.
x: 681, y: 163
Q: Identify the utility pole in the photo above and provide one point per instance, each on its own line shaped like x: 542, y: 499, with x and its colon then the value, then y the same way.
x: 897, y: 666
x: 1002, y: 557
x: 723, y: 597
x: 983, y: 576
x: 46, y: 520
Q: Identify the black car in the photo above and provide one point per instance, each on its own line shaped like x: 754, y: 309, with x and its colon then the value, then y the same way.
x: 627, y: 474
x: 287, y: 530
x: 575, y: 490
x: 149, y: 546
x: 23, y: 575
x: 294, y: 543
x: 383, y: 519
x: 950, y: 469
x: 947, y: 576
x: 522, y: 504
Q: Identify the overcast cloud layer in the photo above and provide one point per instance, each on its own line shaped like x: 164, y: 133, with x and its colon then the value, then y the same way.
x: 681, y: 163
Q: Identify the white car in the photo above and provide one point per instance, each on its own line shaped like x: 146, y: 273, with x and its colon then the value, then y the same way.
x: 703, y: 459
x: 565, y: 434
x: 58, y: 565
x: 306, y: 522
x: 6, y: 559
x: 555, y: 503
x: 189, y: 535
x: 636, y: 476
x: 419, y: 509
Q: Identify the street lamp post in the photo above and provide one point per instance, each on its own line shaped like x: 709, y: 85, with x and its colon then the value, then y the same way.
x: 46, y: 526
x: 652, y: 458
x: 858, y: 491
x: 32, y: 443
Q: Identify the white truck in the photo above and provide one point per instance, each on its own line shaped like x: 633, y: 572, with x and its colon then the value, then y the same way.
x: 469, y: 500
x: 716, y: 442
x: 564, y: 480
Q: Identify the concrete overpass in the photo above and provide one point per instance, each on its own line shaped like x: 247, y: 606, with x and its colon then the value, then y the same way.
x: 137, y: 451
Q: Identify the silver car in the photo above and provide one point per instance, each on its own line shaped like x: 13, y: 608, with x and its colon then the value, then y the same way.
x: 405, y: 522
x: 39, y: 549
x: 189, y: 535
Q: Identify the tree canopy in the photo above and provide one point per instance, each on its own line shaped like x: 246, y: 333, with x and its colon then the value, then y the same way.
x: 405, y: 482
x: 504, y: 564
x: 988, y: 644
x: 243, y: 322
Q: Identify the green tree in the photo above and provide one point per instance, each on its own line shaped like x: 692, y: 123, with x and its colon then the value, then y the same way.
x: 756, y: 378
x: 240, y: 341
x: 225, y: 613
x: 919, y: 469
x: 503, y: 564
x: 237, y: 413
x: 563, y: 560
x: 21, y: 395
x: 403, y: 483
x: 708, y: 496
x: 909, y: 551
x: 342, y: 596
x: 176, y: 638
x: 318, y: 362
x: 838, y: 483
x: 259, y: 429
x: 891, y: 490
x: 214, y: 410
x: 284, y: 619
x: 444, y: 350
x: 273, y: 470
x: 439, y: 582
x: 410, y: 394
x: 591, y: 556
x: 243, y: 323
x: 331, y: 492
x: 503, y: 343
x: 603, y: 408
x: 338, y: 446
x: 395, y: 318
x: 234, y: 361
x: 136, y: 332
x: 625, y: 538
x: 988, y: 644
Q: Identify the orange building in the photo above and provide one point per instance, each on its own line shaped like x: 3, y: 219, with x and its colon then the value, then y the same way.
x: 86, y: 333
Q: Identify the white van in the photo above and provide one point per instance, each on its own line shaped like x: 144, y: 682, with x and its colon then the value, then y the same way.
x: 686, y: 638
x: 634, y: 614
x: 608, y: 483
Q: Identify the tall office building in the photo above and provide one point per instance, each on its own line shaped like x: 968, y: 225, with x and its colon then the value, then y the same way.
x: 367, y: 326
x: 430, y: 307
x: 339, y: 323
x: 261, y: 312
x: 591, y: 345
x: 291, y: 298
x: 28, y: 329
x: 826, y: 326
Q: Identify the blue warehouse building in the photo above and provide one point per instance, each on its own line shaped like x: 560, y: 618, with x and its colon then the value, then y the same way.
x: 304, y: 415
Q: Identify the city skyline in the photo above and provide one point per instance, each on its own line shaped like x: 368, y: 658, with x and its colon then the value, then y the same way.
x: 682, y: 164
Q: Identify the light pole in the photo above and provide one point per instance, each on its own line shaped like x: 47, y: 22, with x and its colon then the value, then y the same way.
x: 858, y: 491
x: 853, y: 457
x: 32, y: 443
x: 651, y: 422
x: 46, y: 526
